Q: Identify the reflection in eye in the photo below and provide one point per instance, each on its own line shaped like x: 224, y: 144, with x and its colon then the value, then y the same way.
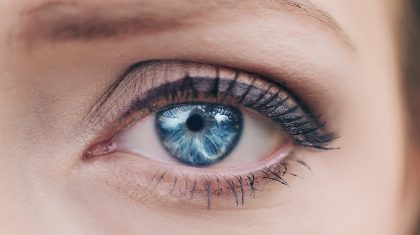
x: 199, y: 134
x: 207, y: 117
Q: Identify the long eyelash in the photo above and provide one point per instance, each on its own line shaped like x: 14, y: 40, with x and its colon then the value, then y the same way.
x: 271, y: 100
x: 286, y: 112
x: 251, y: 182
x: 232, y: 84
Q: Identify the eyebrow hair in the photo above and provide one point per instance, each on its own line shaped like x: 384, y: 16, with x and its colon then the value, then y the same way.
x: 67, y: 21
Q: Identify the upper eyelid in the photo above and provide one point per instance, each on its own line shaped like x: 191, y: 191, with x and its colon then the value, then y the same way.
x: 131, y: 77
x: 284, y: 103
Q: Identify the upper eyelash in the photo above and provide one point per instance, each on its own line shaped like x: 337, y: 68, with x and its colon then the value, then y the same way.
x: 274, y: 102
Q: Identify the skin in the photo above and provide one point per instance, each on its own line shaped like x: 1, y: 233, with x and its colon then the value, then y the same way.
x: 49, y: 81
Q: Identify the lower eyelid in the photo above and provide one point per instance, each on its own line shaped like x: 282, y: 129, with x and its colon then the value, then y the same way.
x: 147, y: 182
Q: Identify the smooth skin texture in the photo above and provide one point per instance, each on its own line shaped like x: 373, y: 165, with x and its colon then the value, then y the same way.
x: 53, y: 66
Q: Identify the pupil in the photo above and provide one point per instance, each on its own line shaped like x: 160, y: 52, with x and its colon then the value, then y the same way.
x: 195, y: 123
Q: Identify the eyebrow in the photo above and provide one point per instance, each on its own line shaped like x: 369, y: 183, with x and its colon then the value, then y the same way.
x: 77, y: 21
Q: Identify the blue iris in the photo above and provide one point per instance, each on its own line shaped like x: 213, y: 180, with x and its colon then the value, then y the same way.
x: 199, y: 134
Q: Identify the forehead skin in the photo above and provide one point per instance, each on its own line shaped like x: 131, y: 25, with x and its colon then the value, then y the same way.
x: 49, y: 76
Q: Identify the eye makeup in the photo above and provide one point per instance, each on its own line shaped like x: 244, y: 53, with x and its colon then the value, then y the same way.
x: 155, y: 86
x: 152, y: 85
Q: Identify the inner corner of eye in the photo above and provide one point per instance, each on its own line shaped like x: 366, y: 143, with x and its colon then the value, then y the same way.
x: 202, y: 135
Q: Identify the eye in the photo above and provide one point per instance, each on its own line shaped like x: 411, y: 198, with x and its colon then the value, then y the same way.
x: 224, y: 132
x: 202, y: 135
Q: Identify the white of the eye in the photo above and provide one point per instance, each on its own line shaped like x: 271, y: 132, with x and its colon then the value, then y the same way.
x: 142, y: 139
x: 260, y: 139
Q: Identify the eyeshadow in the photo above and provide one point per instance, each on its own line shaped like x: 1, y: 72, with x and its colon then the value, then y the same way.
x: 266, y: 98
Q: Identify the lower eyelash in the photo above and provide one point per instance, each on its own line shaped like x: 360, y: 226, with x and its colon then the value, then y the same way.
x: 209, y: 190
